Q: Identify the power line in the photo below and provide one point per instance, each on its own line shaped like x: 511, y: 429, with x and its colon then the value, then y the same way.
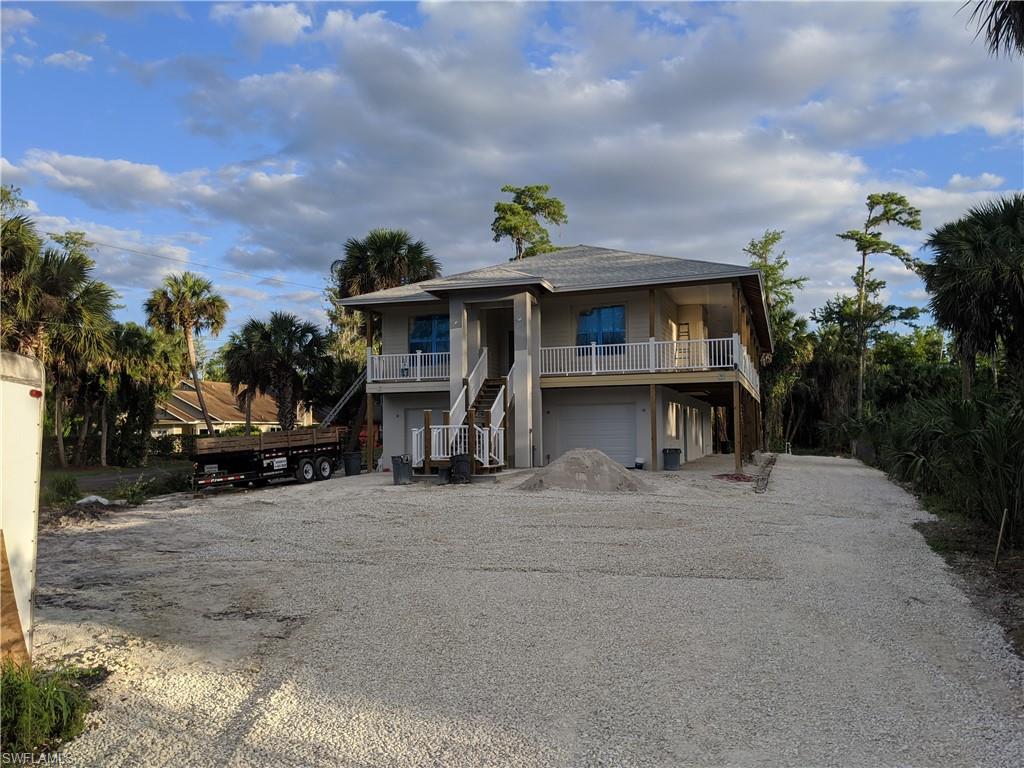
x: 205, y: 266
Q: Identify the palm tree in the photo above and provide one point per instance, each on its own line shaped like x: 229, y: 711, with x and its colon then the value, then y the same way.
x: 977, y: 282
x: 289, y: 350
x: 187, y: 304
x: 245, y: 367
x: 385, y: 258
x: 1002, y: 21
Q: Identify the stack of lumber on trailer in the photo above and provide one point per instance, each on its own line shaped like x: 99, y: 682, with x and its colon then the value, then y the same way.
x: 269, y: 440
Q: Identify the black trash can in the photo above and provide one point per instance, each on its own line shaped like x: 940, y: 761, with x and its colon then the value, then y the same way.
x: 353, y: 462
x: 670, y: 458
x: 401, y: 469
x: 460, y: 469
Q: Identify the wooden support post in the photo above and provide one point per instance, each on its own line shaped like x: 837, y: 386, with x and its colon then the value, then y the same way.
x: 737, y: 427
x: 652, y: 319
x: 426, y: 442
x: 370, y: 437
x: 654, y: 428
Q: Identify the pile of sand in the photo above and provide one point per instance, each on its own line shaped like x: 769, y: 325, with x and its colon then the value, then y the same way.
x: 584, y: 470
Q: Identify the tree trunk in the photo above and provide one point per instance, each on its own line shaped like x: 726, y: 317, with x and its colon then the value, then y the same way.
x: 103, y: 432
x: 58, y: 422
x: 248, y: 410
x: 966, y: 375
x: 861, y: 341
x: 191, y: 343
x: 353, y: 435
x: 83, y: 433
x: 286, y: 405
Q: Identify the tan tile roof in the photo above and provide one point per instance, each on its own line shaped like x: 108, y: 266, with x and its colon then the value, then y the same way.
x: 222, y: 404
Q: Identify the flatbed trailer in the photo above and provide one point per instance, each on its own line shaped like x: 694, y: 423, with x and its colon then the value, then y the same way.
x: 305, y: 454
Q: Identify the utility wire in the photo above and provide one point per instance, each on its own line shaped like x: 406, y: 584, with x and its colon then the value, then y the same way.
x: 205, y: 266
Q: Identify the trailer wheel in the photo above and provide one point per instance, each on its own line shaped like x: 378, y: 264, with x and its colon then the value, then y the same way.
x: 305, y: 472
x: 324, y: 468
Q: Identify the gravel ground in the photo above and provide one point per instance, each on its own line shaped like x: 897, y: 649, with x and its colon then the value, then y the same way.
x: 352, y: 623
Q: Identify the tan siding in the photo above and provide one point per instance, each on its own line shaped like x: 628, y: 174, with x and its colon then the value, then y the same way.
x: 395, y: 331
x: 558, y: 315
x: 666, y: 317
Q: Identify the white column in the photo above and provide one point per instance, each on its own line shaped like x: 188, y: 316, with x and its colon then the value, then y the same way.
x: 537, y: 399
x: 457, y: 337
x: 522, y: 385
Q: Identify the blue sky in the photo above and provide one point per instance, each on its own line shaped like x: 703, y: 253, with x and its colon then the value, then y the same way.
x: 258, y: 138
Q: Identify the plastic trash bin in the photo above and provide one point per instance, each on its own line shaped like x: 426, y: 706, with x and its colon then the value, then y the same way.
x: 401, y: 469
x: 460, y: 468
x: 353, y: 462
x: 670, y: 457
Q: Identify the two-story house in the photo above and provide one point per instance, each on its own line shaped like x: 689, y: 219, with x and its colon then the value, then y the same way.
x: 583, y: 347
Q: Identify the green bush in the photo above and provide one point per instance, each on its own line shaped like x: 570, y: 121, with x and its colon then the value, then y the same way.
x: 174, y: 482
x: 61, y: 491
x: 41, y: 709
x: 134, y: 492
x: 967, y: 454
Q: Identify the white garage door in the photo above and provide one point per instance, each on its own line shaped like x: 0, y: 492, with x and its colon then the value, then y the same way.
x: 609, y: 428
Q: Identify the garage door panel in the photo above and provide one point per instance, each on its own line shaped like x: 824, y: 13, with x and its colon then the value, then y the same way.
x: 610, y: 428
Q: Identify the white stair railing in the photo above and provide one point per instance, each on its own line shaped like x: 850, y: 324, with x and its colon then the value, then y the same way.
x: 417, y: 446
x: 457, y: 413
x: 498, y: 446
x: 477, y: 377
x: 482, y: 449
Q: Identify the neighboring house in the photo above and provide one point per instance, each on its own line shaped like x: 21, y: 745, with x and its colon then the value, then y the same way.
x: 179, y: 413
x: 583, y: 347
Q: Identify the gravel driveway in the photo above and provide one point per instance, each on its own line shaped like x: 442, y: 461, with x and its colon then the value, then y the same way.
x: 352, y: 623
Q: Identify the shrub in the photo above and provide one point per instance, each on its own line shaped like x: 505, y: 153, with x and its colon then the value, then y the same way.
x: 41, y: 709
x: 173, y: 482
x: 134, y: 492
x: 969, y: 454
x: 61, y: 491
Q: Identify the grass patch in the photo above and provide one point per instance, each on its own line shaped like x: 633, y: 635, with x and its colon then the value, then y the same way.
x: 61, y: 491
x: 43, y: 709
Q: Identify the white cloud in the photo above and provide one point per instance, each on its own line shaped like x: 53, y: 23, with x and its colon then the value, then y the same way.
x: 16, y: 18
x: 69, y: 60
x: 22, y: 61
x: 264, y: 24
x: 684, y: 142
x: 104, y: 184
x: 959, y: 183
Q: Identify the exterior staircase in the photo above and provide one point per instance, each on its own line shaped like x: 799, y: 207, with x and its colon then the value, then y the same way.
x: 488, y: 392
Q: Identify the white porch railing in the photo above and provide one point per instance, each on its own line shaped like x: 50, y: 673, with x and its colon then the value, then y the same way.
x: 413, y: 366
x: 650, y: 356
x: 449, y: 440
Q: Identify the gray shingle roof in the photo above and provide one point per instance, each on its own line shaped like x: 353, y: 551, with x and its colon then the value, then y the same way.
x: 579, y: 268
x: 583, y: 268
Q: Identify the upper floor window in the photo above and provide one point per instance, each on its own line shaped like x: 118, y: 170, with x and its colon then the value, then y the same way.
x: 602, y: 325
x: 429, y: 333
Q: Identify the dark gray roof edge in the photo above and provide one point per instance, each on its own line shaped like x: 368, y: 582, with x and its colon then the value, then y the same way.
x: 705, y: 278
x: 366, y: 300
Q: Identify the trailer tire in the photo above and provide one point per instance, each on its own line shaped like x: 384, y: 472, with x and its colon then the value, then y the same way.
x: 324, y: 467
x: 305, y: 472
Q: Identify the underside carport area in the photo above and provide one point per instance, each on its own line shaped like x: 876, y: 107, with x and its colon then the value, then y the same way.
x: 352, y: 623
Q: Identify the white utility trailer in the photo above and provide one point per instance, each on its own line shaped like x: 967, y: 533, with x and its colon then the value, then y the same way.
x: 21, y: 451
